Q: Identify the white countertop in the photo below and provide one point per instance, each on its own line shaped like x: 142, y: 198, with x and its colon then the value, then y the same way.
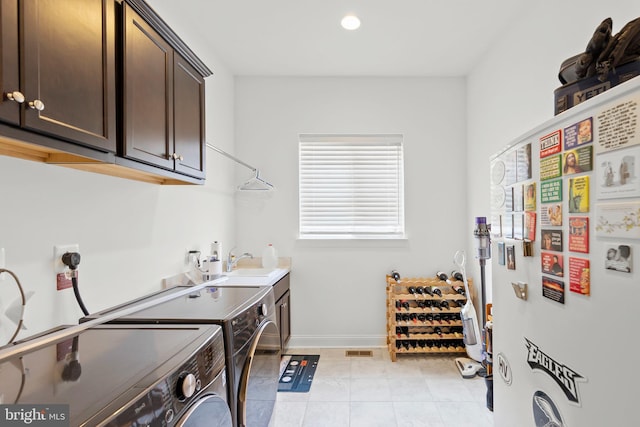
x: 242, y: 276
x: 262, y: 280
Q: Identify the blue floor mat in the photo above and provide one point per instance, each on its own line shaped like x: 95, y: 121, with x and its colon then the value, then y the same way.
x: 296, y: 372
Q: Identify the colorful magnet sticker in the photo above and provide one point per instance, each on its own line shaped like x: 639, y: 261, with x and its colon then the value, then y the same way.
x: 551, y: 144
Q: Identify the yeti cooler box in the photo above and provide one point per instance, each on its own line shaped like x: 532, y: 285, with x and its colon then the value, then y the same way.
x: 572, y: 94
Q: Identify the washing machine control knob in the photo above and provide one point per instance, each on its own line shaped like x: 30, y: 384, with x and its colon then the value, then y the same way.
x: 186, y: 385
x: 263, y: 310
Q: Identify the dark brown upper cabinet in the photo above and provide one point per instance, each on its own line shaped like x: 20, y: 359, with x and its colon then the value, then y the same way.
x: 64, y: 53
x: 163, y: 101
x: 101, y: 85
x: 12, y: 96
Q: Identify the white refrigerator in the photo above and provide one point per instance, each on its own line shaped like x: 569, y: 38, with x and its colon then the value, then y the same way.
x: 565, y: 268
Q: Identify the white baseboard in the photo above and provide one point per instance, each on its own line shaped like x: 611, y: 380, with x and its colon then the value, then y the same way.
x: 337, y: 341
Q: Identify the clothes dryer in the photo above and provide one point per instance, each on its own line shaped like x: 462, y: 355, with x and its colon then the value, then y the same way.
x: 247, y: 317
x: 117, y: 375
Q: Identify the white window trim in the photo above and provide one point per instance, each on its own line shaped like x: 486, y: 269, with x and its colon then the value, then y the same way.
x: 386, y: 222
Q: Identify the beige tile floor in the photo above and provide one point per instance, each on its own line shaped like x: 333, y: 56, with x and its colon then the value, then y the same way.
x: 414, y: 391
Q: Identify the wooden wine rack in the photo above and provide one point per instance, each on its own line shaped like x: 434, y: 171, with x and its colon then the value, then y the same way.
x: 419, y: 334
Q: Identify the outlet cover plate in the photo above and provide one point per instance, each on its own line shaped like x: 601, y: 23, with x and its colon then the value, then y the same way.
x: 58, y: 251
x: 62, y: 281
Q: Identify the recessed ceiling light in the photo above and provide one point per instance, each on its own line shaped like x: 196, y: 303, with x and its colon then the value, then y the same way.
x: 350, y: 22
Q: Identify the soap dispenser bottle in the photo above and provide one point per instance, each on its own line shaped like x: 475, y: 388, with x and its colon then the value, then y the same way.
x: 269, y: 257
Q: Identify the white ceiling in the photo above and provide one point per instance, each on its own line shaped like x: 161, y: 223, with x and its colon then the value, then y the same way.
x: 304, y: 37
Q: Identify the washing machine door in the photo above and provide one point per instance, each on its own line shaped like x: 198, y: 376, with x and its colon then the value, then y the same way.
x: 259, y: 381
x: 210, y: 410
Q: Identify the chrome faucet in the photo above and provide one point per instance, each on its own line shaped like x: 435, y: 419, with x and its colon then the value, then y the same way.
x: 231, y: 262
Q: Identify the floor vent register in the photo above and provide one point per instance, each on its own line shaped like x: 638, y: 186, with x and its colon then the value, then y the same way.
x: 359, y: 353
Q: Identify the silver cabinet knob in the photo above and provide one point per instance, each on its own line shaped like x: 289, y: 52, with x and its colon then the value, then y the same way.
x: 36, y: 105
x: 176, y: 156
x: 15, y: 96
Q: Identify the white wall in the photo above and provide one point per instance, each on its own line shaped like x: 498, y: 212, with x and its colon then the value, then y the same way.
x: 131, y: 234
x: 338, y: 288
x: 511, y: 90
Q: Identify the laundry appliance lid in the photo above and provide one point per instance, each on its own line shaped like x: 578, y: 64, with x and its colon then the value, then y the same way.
x: 113, y: 364
x: 204, y: 304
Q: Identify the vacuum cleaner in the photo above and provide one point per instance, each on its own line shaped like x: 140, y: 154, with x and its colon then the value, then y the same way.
x: 468, y: 367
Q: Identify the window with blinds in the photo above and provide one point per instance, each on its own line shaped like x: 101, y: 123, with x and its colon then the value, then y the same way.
x: 351, y: 187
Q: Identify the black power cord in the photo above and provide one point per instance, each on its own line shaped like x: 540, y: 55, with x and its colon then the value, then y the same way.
x: 72, y: 369
x: 72, y: 260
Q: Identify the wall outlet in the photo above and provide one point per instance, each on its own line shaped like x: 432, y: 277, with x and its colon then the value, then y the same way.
x: 192, y: 257
x: 62, y: 281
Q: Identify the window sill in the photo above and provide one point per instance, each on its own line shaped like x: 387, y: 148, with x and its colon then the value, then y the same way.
x: 361, y: 242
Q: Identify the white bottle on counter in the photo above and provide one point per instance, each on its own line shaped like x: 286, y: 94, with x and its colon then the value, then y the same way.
x: 269, y: 257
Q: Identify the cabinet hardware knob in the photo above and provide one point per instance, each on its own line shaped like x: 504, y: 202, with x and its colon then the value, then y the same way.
x: 36, y: 105
x: 15, y: 96
x: 180, y: 158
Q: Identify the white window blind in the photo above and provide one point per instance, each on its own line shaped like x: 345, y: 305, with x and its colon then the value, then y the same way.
x: 351, y: 186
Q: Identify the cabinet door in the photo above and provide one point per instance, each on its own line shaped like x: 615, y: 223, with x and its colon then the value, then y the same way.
x: 284, y: 321
x: 189, y: 138
x: 69, y: 69
x: 9, y: 72
x: 148, y: 95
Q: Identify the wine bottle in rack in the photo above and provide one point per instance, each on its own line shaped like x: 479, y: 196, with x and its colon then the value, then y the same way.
x: 413, y: 317
x: 429, y: 317
x: 422, y: 304
x: 437, y: 291
x: 395, y: 275
x: 406, y: 305
x: 405, y: 344
x: 420, y: 290
x: 442, y: 276
x: 458, y: 289
x: 438, y: 330
x: 398, y: 317
x: 422, y: 317
x: 436, y: 317
x: 444, y: 304
x: 405, y: 317
x: 427, y: 290
x: 457, y: 276
x: 411, y: 290
x: 460, y: 303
